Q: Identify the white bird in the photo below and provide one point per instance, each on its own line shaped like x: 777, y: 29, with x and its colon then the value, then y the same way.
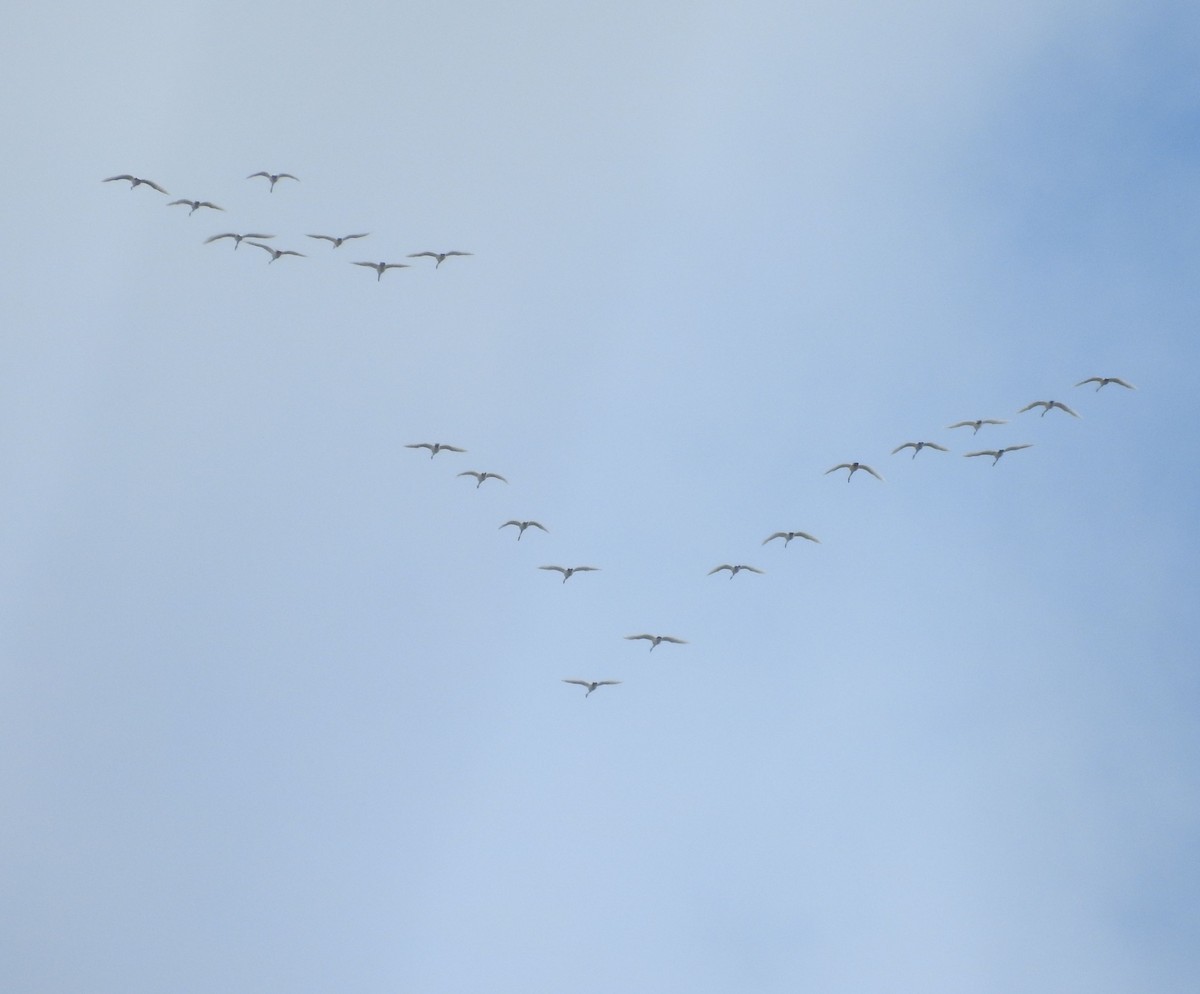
x: 273, y: 178
x: 655, y: 640
x: 593, y: 684
x: 733, y: 570
x: 480, y: 477
x: 434, y: 447
x: 195, y: 205
x: 852, y: 466
x: 1047, y: 406
x: 237, y: 239
x: 788, y: 536
x: 440, y: 256
x: 977, y: 424
x: 276, y: 253
x: 997, y: 453
x: 135, y: 182
x: 918, y: 446
x: 380, y: 267
x: 1105, y: 381
x: 570, y: 571
x: 522, y: 525
x: 337, y: 242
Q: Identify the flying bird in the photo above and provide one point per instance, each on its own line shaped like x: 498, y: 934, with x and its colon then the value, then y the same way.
x: 237, y: 239
x: 1047, y: 406
x: 733, y: 570
x: 522, y: 525
x: 976, y: 425
x: 997, y: 453
x: 570, y: 571
x: 276, y: 253
x: 379, y: 267
x: 434, y: 447
x: 655, y: 640
x: 1105, y: 381
x: 852, y: 466
x: 918, y: 446
x: 440, y: 256
x: 273, y: 177
x: 593, y: 684
x: 195, y: 205
x: 788, y: 536
x: 337, y: 242
x: 135, y: 182
x: 480, y: 477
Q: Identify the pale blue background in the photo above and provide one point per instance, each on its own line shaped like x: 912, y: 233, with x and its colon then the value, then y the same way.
x: 280, y: 705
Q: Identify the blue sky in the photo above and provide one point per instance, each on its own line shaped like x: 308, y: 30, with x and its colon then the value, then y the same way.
x: 282, y: 704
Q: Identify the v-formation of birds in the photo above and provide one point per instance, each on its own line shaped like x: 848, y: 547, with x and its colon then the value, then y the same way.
x: 480, y: 477
x: 733, y: 569
x: 257, y: 239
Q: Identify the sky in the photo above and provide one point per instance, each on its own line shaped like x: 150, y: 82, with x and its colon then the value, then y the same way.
x: 281, y: 702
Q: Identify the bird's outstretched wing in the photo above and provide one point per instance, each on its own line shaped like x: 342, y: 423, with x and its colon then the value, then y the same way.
x: 1014, y: 448
x: 752, y: 569
x: 841, y: 465
x: 648, y: 638
x: 906, y: 445
x: 934, y: 445
x: 587, y: 569
x: 557, y: 569
x: 982, y: 452
x: 1063, y: 407
x: 717, y: 569
x: 863, y: 465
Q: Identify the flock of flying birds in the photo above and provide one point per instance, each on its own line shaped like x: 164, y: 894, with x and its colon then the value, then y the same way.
x: 733, y: 569
x: 256, y: 239
x: 481, y: 477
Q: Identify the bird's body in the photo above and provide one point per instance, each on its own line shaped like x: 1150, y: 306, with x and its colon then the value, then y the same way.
x: 439, y: 256
x: 276, y: 253
x: 381, y: 267
x: 337, y: 241
x: 593, y: 684
x: 734, y: 570
x: 788, y: 536
x: 1104, y: 381
x: 273, y: 178
x: 997, y: 453
x: 918, y: 446
x: 135, y: 182
x: 570, y: 571
x: 1047, y: 406
x: 656, y: 640
x: 237, y: 239
x: 195, y: 205
x: 853, y: 467
x: 522, y: 525
x: 480, y: 477
x: 977, y: 424
x: 434, y: 447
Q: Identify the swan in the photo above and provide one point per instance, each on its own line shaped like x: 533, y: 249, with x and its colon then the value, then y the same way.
x: 593, y: 684
x: 237, y: 239
x: 1048, y: 406
x: 788, y: 536
x: 480, y: 477
x: 918, y: 446
x: 656, y: 640
x: 522, y: 525
x: 734, y: 570
x: 852, y: 466
x: 273, y: 177
x: 1105, y: 381
x: 195, y: 205
x: 570, y: 571
x: 379, y: 267
x: 135, y: 182
x: 434, y: 447
x: 997, y: 453
x: 440, y: 256
x: 276, y: 253
x: 337, y: 242
x: 977, y: 424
